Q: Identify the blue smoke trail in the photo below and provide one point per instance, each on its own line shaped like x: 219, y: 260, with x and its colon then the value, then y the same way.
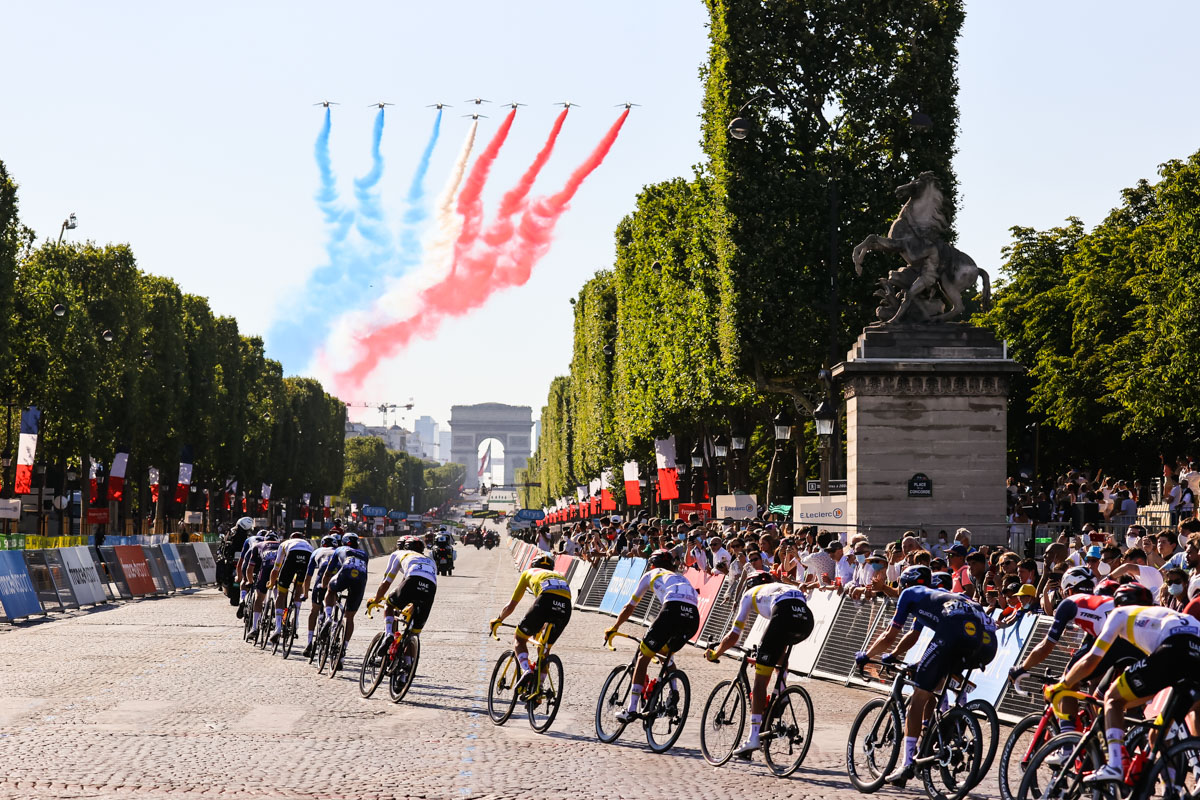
x: 418, y: 210
x: 369, y: 221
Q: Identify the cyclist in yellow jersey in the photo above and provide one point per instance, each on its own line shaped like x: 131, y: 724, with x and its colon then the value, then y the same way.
x: 551, y: 604
x: 790, y: 622
x: 1171, y: 643
x: 677, y: 620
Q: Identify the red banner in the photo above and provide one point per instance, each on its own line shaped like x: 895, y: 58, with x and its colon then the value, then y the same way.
x: 137, y: 571
x: 97, y: 516
x: 703, y: 509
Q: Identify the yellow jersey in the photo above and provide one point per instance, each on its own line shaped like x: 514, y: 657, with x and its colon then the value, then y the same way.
x: 539, y: 581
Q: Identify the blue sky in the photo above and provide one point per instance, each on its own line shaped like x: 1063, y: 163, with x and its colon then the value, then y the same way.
x: 188, y: 132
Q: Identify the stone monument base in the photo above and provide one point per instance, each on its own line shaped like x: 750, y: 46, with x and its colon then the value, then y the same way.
x: 926, y: 429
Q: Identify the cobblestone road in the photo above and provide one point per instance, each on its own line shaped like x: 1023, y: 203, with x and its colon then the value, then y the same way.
x: 161, y: 698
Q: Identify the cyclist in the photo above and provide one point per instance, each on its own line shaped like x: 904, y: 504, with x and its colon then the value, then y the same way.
x: 290, y: 564
x: 418, y: 585
x: 676, y: 623
x: 1169, y: 643
x: 943, y: 581
x: 551, y: 606
x: 345, y: 571
x: 259, y: 563
x: 240, y: 570
x: 964, y: 637
x: 319, y: 557
x: 336, y: 531
x: 790, y: 622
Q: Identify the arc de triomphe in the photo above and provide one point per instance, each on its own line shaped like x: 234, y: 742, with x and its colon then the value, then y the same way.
x: 512, y: 426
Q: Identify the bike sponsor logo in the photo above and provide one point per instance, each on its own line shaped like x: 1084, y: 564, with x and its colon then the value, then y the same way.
x: 15, y: 584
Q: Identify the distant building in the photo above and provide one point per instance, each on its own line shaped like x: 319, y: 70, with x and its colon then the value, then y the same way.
x: 394, y: 437
x: 443, y: 454
x: 427, y: 429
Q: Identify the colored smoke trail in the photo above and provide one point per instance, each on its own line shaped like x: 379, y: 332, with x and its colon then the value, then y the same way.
x: 416, y: 212
x: 448, y: 222
x: 369, y: 221
x: 514, y: 199
x: 453, y: 296
x: 470, y: 201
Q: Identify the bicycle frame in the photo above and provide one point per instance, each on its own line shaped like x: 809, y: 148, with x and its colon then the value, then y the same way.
x: 541, y: 641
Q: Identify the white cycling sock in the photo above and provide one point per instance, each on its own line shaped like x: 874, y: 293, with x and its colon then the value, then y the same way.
x: 910, y: 749
x: 388, y: 625
x: 523, y: 660
x: 635, y: 696
x: 257, y: 617
x: 755, y: 725
x: 1116, y: 738
x: 279, y: 619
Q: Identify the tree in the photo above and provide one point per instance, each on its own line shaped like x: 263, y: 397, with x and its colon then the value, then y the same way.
x: 368, y: 467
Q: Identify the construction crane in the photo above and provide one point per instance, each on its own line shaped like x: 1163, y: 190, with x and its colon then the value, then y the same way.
x: 384, y: 408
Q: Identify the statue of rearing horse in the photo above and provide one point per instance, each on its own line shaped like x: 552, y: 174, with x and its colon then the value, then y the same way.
x: 930, y: 287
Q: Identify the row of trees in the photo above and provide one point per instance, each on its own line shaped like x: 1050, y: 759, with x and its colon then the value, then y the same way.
x: 398, y: 481
x: 721, y: 308
x: 118, y: 358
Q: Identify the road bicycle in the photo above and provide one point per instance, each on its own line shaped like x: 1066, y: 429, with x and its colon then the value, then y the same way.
x: 541, y: 690
x: 1162, y: 761
x: 950, y: 750
x: 330, y: 638
x: 1030, y: 733
x: 287, y: 637
x: 388, y: 656
x: 787, y: 722
x: 664, y: 706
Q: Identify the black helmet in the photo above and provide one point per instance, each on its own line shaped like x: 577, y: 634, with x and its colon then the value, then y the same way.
x: 758, y: 578
x: 1077, y: 580
x: 662, y: 558
x: 1133, y: 594
x: 942, y: 580
x: 916, y: 575
x: 350, y: 540
x: 544, y: 561
x: 416, y: 544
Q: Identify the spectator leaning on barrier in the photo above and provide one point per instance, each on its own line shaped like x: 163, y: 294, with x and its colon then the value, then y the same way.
x: 956, y: 559
x: 876, y: 584
x: 1135, y: 566
x: 844, y: 571
x: 819, y: 565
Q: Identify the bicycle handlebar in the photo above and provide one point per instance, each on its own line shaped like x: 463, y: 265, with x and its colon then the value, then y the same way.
x: 609, y: 637
x: 498, y: 627
x: 1056, y: 700
x: 897, y: 666
x: 1046, y: 678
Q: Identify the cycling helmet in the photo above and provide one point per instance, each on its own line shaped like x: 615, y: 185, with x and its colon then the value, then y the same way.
x: 1078, y: 579
x: 942, y: 580
x: 916, y: 575
x: 350, y: 540
x: 758, y: 578
x: 327, y: 541
x: 246, y: 524
x: 1108, y: 587
x: 337, y: 539
x: 272, y: 536
x: 297, y: 535
x: 416, y: 544
x: 337, y: 523
x: 662, y: 558
x: 1133, y: 594
x: 543, y: 561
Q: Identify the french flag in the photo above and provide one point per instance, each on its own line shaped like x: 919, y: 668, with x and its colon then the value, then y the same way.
x: 185, y: 476
x: 607, y: 503
x: 154, y: 484
x: 116, y: 476
x: 266, y: 497
x: 633, y: 495
x: 93, y: 481
x: 26, y: 447
x: 668, y: 475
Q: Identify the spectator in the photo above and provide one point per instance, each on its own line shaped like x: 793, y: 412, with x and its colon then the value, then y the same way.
x: 977, y: 566
x: 1027, y: 571
x: 1091, y: 559
x: 844, y: 572
x: 720, y: 556
x: 921, y: 558
x: 819, y: 565
x: 1173, y: 593
x: 1136, y: 567
x: 956, y: 559
x: 1193, y: 593
x: 963, y: 536
x: 938, y: 549
x: 695, y: 555
x: 876, y: 584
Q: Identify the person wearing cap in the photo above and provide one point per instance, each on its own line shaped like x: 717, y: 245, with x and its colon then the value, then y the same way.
x: 956, y: 560
x: 1022, y: 599
x: 1091, y: 559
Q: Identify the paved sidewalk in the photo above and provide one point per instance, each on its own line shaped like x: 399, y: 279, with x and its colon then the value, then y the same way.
x: 162, y: 699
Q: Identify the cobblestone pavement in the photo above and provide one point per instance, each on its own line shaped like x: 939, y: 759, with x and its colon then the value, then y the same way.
x: 161, y: 698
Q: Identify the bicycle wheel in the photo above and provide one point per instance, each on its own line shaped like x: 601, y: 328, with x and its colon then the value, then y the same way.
x: 337, y: 647
x: 614, y: 698
x: 326, y: 644
x: 989, y: 726
x: 1175, y: 775
x: 667, y: 710
x: 544, y: 707
x: 319, y: 640
x: 956, y: 747
x: 289, y: 630
x: 722, y: 723
x: 502, y: 695
x: 266, y: 624
x: 874, y: 744
x: 374, y: 665
x: 1052, y: 781
x: 247, y: 620
x: 787, y: 731
x: 1023, y: 739
x: 402, y: 673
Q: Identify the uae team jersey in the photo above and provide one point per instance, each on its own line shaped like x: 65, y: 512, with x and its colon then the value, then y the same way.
x: 1145, y: 627
x: 763, y: 599
x: 669, y: 587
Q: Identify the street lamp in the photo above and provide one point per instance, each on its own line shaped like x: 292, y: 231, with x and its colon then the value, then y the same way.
x: 721, y: 451
x: 783, y: 427
x: 107, y: 335
x: 737, y: 445
x: 825, y: 415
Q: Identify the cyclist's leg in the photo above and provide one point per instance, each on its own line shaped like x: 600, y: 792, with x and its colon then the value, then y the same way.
x: 530, y: 624
x: 354, y: 598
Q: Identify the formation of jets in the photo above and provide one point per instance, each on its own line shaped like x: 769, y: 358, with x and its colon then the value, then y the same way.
x: 474, y: 100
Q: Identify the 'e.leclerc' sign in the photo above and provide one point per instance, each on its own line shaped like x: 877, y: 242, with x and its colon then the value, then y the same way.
x: 920, y: 485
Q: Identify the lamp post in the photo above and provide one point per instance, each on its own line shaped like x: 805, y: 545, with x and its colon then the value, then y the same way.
x: 783, y: 432
x: 697, y: 459
x: 825, y: 416
x: 737, y: 445
x: 721, y: 452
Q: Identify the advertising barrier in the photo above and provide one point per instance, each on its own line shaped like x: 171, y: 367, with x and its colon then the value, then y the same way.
x: 137, y: 576
x: 49, y: 577
x: 158, y: 568
x: 824, y: 606
x: 175, y: 567
x: 624, y: 581
x: 17, y: 594
x: 581, y: 579
x: 208, y: 564
x: 707, y: 588
x: 81, y: 573
x: 114, y: 571
x: 562, y: 565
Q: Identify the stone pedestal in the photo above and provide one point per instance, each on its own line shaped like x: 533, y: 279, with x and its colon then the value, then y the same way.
x: 927, y: 401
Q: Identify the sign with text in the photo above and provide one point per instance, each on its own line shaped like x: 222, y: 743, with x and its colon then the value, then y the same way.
x: 18, y: 596
x: 836, y: 486
x: 397, y: 515
x: 920, y: 485
x: 193, y: 517
x: 81, y: 572
x: 97, y: 516
x: 819, y: 510
x: 531, y: 514
x: 374, y: 511
x: 137, y: 572
x: 10, y: 509
x: 737, y: 506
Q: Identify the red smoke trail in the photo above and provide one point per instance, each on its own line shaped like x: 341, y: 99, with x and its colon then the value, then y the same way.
x: 501, y: 230
x: 458, y: 293
x: 470, y: 203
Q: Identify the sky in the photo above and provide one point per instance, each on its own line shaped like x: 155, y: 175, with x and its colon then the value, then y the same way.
x: 188, y: 132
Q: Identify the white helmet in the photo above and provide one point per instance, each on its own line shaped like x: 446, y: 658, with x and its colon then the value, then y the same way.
x: 246, y: 524
x: 1077, y: 580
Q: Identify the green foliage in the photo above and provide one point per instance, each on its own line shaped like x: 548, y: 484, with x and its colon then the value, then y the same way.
x: 1108, y: 323
x: 554, y: 447
x: 592, y: 392
x: 368, y: 467
x: 398, y: 481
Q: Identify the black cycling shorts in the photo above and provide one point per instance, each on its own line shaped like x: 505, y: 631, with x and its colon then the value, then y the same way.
x: 1121, y: 655
x: 961, y: 642
x: 354, y: 583
x: 554, y: 609
x: 418, y: 591
x: 675, y: 624
x: 791, y: 623
x: 295, y: 565
x: 1176, y: 658
x: 263, y: 575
